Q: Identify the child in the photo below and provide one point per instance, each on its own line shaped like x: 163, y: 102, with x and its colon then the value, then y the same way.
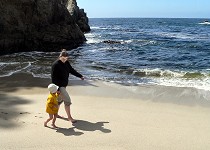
x: 52, y: 104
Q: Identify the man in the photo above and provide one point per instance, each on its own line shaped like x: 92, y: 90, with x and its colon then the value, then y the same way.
x: 60, y: 74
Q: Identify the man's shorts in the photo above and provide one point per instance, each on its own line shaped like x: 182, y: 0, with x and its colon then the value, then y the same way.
x: 64, y: 97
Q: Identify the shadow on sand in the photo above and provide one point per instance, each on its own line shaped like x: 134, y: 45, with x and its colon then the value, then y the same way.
x: 27, y: 81
x: 9, y: 110
x: 83, y: 126
x: 21, y: 81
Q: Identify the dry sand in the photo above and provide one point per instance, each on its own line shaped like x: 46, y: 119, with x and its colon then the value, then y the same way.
x: 110, y: 116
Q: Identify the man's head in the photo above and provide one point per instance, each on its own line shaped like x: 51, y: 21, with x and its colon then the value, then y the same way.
x: 63, y: 55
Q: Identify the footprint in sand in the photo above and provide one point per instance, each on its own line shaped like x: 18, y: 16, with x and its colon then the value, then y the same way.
x: 24, y: 113
x: 4, y: 113
x: 37, y: 116
x: 3, y: 117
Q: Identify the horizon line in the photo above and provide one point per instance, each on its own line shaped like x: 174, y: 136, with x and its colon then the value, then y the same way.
x: 149, y: 17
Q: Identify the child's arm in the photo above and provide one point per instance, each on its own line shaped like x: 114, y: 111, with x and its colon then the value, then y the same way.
x: 52, y: 104
x: 55, y: 106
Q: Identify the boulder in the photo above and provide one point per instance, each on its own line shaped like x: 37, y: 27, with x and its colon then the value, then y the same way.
x: 111, y: 42
x: 38, y: 25
x: 79, y: 15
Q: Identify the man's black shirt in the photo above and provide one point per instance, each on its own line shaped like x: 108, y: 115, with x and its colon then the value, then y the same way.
x: 60, y: 73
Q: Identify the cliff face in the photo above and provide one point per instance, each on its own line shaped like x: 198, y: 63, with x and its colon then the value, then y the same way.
x: 42, y: 25
x: 79, y: 15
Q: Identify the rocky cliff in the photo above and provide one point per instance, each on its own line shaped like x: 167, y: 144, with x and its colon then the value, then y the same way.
x: 41, y: 25
x: 79, y: 15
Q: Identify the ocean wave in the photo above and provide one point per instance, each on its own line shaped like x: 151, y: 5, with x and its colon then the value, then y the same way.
x: 170, y: 74
x: 41, y: 75
x: 93, y: 41
x: 180, y: 82
x: 92, y: 38
x: 99, y: 28
x: 205, y: 23
x: 177, y: 35
x: 10, y: 68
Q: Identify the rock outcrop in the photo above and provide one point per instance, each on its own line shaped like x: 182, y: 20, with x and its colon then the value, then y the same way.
x: 41, y: 25
x: 112, y: 42
x: 79, y: 15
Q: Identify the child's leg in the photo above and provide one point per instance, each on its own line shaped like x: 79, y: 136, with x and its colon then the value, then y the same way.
x: 54, y: 119
x: 50, y: 118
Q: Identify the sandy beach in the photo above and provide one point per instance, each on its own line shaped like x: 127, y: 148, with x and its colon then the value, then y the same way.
x: 110, y: 116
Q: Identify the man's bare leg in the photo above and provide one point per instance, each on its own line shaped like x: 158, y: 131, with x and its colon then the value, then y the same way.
x: 68, y: 112
x: 58, y: 116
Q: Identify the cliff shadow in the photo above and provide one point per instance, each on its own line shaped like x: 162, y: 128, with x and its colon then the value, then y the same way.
x: 9, y: 111
x: 19, y: 81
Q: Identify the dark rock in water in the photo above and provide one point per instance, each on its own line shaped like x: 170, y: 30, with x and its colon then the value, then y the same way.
x: 41, y: 25
x: 112, y: 42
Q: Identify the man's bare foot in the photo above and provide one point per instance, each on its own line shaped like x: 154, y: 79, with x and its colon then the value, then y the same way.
x: 58, y: 116
x: 72, y: 120
x: 45, y: 124
x: 54, y: 126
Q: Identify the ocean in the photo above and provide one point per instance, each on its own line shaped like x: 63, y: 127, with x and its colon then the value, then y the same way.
x: 131, y: 51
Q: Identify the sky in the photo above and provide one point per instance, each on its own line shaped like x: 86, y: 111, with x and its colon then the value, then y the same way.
x: 146, y: 8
